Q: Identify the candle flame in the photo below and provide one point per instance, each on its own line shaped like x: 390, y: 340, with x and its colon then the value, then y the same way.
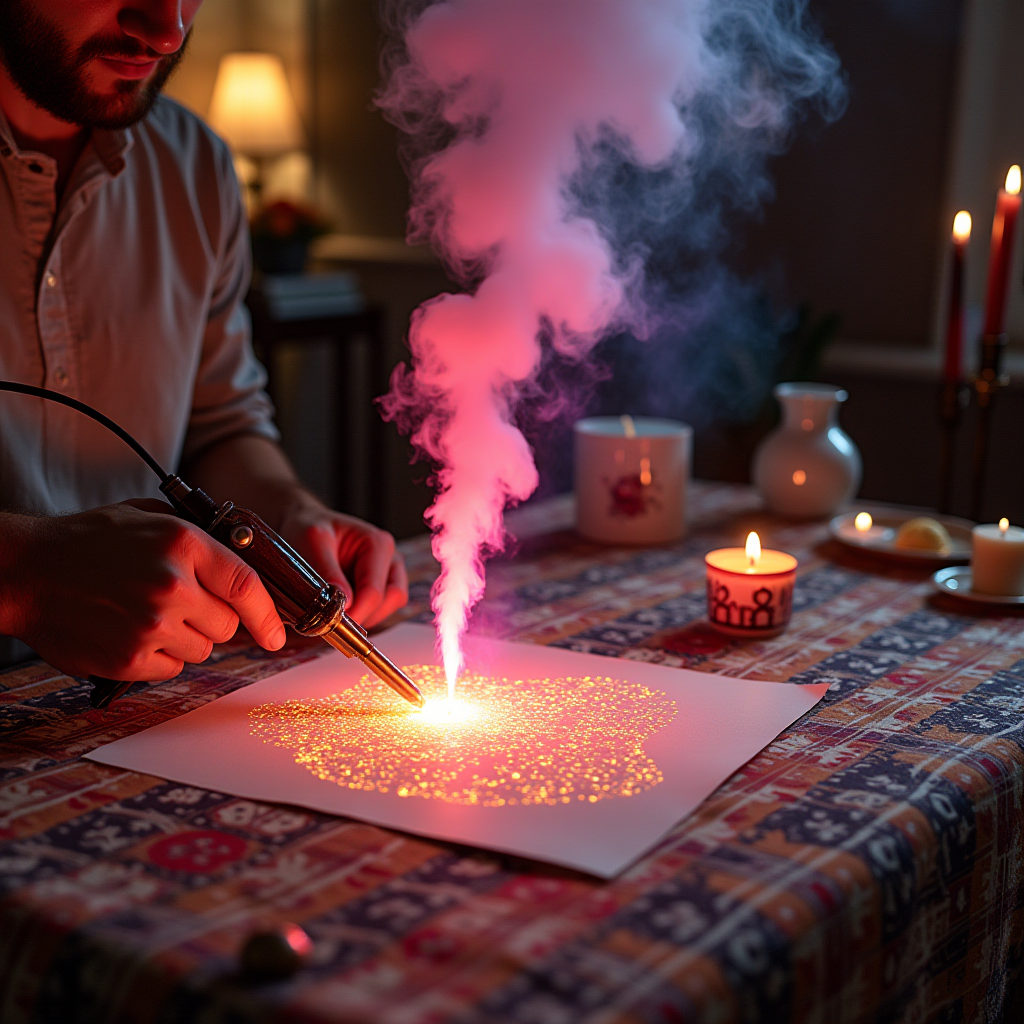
x: 1004, y: 525
x: 628, y: 426
x: 753, y: 548
x: 1013, y: 180
x: 863, y: 522
x: 962, y: 226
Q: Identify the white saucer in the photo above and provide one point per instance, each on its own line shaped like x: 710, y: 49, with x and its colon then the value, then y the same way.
x: 956, y: 582
x: 880, y: 541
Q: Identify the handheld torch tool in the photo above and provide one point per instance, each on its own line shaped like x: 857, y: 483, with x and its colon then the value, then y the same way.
x: 304, y: 600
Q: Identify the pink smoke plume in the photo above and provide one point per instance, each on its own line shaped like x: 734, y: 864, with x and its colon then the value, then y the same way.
x: 507, y: 100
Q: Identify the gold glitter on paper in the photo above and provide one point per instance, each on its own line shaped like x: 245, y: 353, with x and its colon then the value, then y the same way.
x: 503, y: 742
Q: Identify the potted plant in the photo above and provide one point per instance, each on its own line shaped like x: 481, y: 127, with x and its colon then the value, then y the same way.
x: 281, y: 234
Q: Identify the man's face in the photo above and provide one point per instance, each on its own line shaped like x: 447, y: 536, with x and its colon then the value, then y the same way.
x: 94, y: 63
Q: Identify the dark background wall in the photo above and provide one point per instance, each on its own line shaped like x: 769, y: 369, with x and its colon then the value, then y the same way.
x: 858, y: 226
x: 857, y: 222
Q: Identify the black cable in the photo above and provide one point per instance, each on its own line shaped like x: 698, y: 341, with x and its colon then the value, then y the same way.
x: 73, y: 403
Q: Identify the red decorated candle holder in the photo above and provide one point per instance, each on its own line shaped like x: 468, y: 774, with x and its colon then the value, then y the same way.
x: 750, y: 592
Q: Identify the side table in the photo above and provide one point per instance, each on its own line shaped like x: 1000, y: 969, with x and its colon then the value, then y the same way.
x: 296, y: 311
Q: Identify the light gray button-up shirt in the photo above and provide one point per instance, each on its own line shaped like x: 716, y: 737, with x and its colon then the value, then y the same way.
x: 127, y: 296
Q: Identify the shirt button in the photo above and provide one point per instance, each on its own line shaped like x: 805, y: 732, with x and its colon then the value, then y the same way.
x: 51, y: 279
x: 60, y: 376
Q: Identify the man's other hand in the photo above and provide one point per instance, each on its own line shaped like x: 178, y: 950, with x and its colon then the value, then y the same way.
x: 128, y: 591
x: 352, y: 554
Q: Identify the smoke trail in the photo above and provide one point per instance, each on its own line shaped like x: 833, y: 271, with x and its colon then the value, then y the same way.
x: 523, y: 117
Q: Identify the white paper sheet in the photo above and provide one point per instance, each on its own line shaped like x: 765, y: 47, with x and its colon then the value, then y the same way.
x: 579, y: 760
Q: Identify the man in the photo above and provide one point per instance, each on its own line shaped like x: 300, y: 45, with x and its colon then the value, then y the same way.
x: 123, y: 265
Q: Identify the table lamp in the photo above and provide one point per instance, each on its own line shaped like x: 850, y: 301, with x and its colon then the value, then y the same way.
x: 254, y: 110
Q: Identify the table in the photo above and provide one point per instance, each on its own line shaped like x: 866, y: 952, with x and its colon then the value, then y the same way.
x: 866, y: 866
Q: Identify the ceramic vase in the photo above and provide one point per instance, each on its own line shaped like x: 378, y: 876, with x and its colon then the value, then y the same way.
x: 808, y: 466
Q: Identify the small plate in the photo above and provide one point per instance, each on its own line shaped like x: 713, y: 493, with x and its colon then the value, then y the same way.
x: 881, y: 539
x: 956, y: 581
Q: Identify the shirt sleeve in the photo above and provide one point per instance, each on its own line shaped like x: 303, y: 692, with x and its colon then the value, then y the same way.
x: 229, y: 397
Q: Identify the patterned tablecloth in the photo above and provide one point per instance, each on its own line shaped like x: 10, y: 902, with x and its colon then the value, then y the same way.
x: 864, y: 867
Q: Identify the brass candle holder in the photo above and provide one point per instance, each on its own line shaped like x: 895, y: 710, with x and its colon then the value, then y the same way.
x: 989, y: 380
x: 953, y: 399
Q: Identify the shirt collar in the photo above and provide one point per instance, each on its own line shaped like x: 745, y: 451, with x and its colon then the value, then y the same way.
x: 110, y: 145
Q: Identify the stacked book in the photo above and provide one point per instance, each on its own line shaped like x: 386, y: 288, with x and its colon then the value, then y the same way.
x: 310, y: 296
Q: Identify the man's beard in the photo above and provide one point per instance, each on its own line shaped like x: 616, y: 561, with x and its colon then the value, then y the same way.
x: 53, y: 76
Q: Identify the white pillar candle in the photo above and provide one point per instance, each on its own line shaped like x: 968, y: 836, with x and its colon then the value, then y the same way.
x: 750, y: 591
x: 631, y: 477
x: 997, y: 562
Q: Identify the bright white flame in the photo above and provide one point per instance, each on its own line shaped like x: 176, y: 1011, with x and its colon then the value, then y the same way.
x: 1004, y: 525
x: 863, y: 522
x: 962, y: 226
x: 447, y: 712
x: 753, y: 548
x: 1013, y: 180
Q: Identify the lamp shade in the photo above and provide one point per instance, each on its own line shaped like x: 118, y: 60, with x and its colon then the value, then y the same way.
x: 252, y: 106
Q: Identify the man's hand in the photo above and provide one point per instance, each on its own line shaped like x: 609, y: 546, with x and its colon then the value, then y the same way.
x: 350, y: 553
x: 254, y: 473
x: 127, y: 591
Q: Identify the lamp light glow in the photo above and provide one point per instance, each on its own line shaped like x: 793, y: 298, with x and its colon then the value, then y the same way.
x: 253, y: 107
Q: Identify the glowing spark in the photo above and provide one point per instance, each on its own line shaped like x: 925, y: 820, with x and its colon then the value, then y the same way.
x: 447, y: 712
x: 505, y: 743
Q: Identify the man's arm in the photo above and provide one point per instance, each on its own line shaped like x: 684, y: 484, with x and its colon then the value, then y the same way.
x: 253, y: 472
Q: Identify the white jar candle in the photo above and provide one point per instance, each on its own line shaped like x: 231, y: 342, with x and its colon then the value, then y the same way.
x: 997, y: 562
x: 631, y: 477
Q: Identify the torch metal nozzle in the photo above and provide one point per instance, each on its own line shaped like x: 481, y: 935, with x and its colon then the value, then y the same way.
x: 350, y: 638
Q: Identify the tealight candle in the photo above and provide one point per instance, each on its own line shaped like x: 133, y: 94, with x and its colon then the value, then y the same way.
x: 997, y: 561
x: 864, y: 530
x: 631, y: 479
x: 750, y: 591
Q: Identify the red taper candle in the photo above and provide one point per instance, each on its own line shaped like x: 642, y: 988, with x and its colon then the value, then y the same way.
x: 1003, y: 225
x: 953, y: 369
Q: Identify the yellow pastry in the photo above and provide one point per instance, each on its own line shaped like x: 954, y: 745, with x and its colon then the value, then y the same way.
x: 924, y: 534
